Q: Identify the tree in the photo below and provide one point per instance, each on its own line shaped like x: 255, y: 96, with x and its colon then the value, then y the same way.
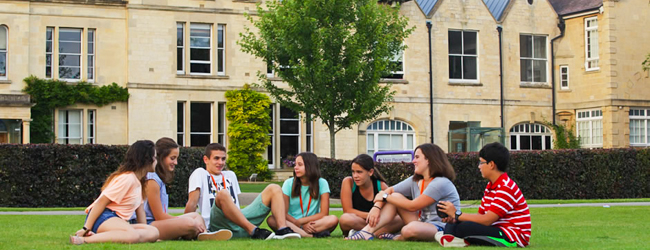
x: 564, y: 136
x: 331, y: 54
x: 248, y: 131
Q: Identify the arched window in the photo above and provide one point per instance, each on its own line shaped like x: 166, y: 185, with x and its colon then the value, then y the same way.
x: 530, y: 136
x: 386, y: 135
x: 3, y: 51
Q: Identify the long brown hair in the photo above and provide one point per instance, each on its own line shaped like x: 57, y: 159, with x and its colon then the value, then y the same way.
x: 439, y: 165
x: 312, y: 172
x: 139, y: 158
x: 164, y: 147
x: 366, y: 162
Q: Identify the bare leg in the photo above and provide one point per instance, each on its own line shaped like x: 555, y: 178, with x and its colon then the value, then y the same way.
x: 119, y: 231
x: 274, y: 225
x: 351, y: 221
x: 231, y: 211
x: 417, y: 230
x: 326, y: 223
x: 181, y: 226
x: 272, y: 197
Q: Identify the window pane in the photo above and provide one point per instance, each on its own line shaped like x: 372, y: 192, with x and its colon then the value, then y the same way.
x: 469, y: 41
x: 526, y: 70
x: 539, y: 73
x: 179, y: 59
x: 525, y: 142
x: 513, y: 142
x: 3, y: 38
x: 200, y: 117
x: 200, y: 140
x: 289, y: 127
x: 548, y: 145
x: 409, y: 142
x: 203, y: 42
x: 70, y: 47
x: 220, y: 60
x: 3, y: 63
x: 455, y: 42
x: 288, y: 146
x: 179, y: 34
x: 200, y: 68
x: 455, y: 67
x: 200, y: 54
x: 537, y: 142
x: 180, y: 117
x: 69, y: 60
x: 269, y: 151
x: 371, y: 141
x: 383, y: 142
x: 287, y: 113
x: 396, y: 142
x: 180, y: 140
x: 540, y: 47
x: 525, y: 43
x: 70, y: 35
x: 69, y: 72
x: 469, y: 71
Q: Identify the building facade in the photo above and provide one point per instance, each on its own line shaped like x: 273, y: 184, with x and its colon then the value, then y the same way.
x: 492, y: 74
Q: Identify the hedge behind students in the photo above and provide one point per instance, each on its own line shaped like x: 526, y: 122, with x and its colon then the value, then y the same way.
x: 308, y: 197
x: 121, y: 196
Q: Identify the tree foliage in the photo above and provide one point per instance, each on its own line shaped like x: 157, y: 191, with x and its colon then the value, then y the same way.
x: 248, y: 130
x: 646, y: 63
x: 331, y: 54
x: 564, y: 137
x: 51, y: 94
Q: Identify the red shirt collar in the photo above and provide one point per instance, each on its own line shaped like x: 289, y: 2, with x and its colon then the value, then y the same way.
x: 494, y: 185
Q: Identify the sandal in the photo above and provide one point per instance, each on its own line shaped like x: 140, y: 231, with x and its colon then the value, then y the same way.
x: 361, y: 235
x: 76, y: 240
x: 386, y: 236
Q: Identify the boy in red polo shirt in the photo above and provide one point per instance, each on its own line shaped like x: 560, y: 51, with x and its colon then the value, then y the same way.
x: 503, y: 218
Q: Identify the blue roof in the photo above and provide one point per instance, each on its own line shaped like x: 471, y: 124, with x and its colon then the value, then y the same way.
x: 427, y: 6
x: 496, y: 7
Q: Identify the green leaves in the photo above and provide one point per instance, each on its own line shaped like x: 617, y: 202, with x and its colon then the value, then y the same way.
x: 330, y: 54
x: 51, y: 94
x: 248, y: 128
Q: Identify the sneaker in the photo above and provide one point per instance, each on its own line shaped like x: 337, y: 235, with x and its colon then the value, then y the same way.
x: 286, y: 233
x: 489, y: 241
x: 352, y: 232
x: 448, y: 240
x: 262, y: 234
x: 322, y: 234
x: 222, y: 234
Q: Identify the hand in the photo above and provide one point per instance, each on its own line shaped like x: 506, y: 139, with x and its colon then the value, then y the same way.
x: 373, y: 216
x: 84, y: 233
x: 200, y: 226
x: 448, y: 208
x: 379, y: 197
x: 449, y: 220
x: 309, y: 227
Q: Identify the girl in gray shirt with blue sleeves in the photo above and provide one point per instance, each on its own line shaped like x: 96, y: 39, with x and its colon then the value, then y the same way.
x: 415, y: 199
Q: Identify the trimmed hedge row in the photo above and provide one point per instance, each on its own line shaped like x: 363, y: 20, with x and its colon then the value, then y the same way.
x: 52, y: 175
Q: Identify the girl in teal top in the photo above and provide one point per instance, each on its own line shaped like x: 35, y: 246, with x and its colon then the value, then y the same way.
x: 308, y: 196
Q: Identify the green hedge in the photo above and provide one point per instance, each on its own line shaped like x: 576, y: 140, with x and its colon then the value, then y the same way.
x: 52, y: 175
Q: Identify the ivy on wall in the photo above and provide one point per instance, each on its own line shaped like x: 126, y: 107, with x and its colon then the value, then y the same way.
x: 48, y: 94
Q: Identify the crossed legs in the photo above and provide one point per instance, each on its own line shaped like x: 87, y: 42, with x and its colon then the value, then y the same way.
x: 271, y: 197
x: 119, y: 231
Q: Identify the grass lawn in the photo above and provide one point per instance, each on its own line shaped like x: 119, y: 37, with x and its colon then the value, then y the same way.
x: 572, y: 228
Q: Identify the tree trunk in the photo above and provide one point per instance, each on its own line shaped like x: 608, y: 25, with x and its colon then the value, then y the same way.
x: 332, y: 140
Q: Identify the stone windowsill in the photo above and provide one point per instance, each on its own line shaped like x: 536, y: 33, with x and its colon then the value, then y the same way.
x: 565, y: 90
x: 393, y: 81
x: 541, y: 85
x: 4, y: 81
x: 462, y: 83
x: 247, y: 1
x: 203, y: 76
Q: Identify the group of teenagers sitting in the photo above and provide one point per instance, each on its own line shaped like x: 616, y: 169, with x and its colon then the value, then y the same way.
x: 423, y: 207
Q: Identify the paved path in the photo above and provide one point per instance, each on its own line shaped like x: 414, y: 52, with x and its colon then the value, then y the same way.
x: 247, y: 198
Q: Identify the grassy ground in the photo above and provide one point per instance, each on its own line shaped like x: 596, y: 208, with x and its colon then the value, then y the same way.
x: 253, y: 187
x: 567, y: 228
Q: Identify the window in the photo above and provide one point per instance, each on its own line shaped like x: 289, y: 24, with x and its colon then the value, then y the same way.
x: 397, y: 66
x: 221, y: 50
x: 180, y: 49
x: 309, y: 139
x: 49, y: 40
x: 200, y: 124
x: 564, y: 77
x: 91, y: 126
x: 70, y: 127
x: 526, y: 136
x: 91, y: 55
x: 3, y: 51
x: 639, y: 129
x: 269, y: 71
x: 533, y: 58
x: 386, y: 135
x: 221, y: 132
x: 200, y: 49
x: 462, y: 55
x: 591, y: 43
x: 180, y: 123
x: 11, y: 131
x: 270, y: 156
x: 289, y: 133
x: 590, y: 128
x: 70, y: 54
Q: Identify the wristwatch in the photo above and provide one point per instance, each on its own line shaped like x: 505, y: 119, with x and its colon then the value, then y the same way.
x: 385, y: 196
x: 458, y: 213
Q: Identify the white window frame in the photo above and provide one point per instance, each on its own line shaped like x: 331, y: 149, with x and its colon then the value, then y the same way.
x: 221, y: 50
x: 530, y: 129
x: 379, y: 128
x: 211, y: 124
x: 51, y: 53
x: 182, y: 141
x: 272, y: 161
x: 298, y: 135
x: 591, y: 49
x: 91, y: 55
x: 81, y: 54
x: 642, y: 117
x: 65, y: 139
x: 591, y: 119
x: 564, y: 77
x: 399, y: 58
x: 181, y: 26
x: 463, y: 55
x: 221, y: 123
x: 209, y: 63
x: 5, y: 51
x: 533, y: 58
x: 92, y: 126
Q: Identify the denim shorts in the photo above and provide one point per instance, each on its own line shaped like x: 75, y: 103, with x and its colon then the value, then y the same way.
x: 105, y: 215
x: 135, y: 221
